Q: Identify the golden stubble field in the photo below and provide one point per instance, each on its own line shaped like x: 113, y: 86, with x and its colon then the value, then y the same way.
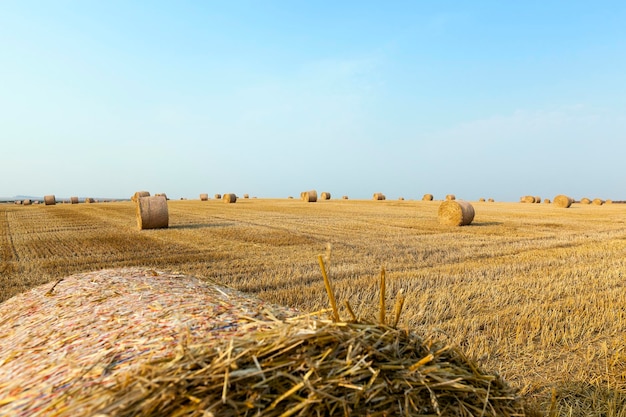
x: 534, y: 292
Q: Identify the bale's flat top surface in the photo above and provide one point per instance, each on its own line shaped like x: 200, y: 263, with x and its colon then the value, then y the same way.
x: 94, y: 325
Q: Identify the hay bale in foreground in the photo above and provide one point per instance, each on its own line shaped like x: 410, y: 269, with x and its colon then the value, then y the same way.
x: 138, y: 194
x: 191, y: 348
x: 427, y: 197
x: 204, y: 197
x: 309, y: 196
x: 49, y: 200
x: 229, y: 198
x: 563, y: 201
x: 455, y: 213
x: 152, y: 213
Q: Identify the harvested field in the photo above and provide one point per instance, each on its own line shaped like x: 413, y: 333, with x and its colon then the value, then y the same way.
x: 533, y: 292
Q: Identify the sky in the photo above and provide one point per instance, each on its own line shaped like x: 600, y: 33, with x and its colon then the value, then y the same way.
x: 493, y: 99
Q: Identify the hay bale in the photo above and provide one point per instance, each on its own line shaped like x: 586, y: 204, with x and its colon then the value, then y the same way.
x: 325, y: 195
x: 379, y: 196
x: 546, y: 201
x: 49, y: 200
x: 597, y: 201
x: 455, y: 213
x: 608, y: 202
x: 401, y: 198
x: 89, y: 200
x: 481, y: 200
x: 152, y: 212
x: 162, y: 195
x: 344, y: 197
x: 187, y: 347
x: 204, y: 197
x: 491, y: 200
x: 563, y: 201
x: 450, y: 197
x: 585, y: 200
x: 229, y: 198
x: 217, y: 196
x: 246, y: 196
x: 27, y: 202
x: 428, y: 197
x: 309, y: 196
x: 527, y: 199
x: 537, y: 199
x: 74, y: 200
x: 139, y: 194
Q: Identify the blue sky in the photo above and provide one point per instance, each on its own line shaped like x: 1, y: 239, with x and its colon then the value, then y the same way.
x: 478, y: 99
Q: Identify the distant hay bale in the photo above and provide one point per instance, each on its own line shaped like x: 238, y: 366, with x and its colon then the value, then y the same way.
x: 89, y: 200
x: 246, y: 196
x: 546, y: 201
x: 344, y: 197
x: 608, y: 202
x: 204, y: 197
x: 217, y: 196
x: 138, y: 194
x: 379, y: 196
x: 537, y: 199
x: 527, y: 199
x: 27, y: 202
x: 152, y: 212
x: 49, y: 200
x: 74, y: 200
x: 229, y: 198
x: 585, y: 200
x: 563, y: 201
x: 427, y: 197
x: 598, y: 201
x: 401, y: 198
x: 481, y: 199
x: 455, y: 213
x: 325, y: 195
x: 450, y: 197
x: 491, y: 200
x: 309, y: 196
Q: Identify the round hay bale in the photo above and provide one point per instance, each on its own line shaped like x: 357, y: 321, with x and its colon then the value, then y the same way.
x: 229, y: 198
x: 546, y: 201
x: 401, y: 198
x: 138, y: 194
x: 89, y: 362
x: 585, y: 200
x: 27, y: 202
x: 246, y: 196
x: 597, y: 201
x: 344, y: 197
x: 563, y: 201
x: 204, y: 197
x: 309, y: 196
x: 217, y: 196
x: 455, y: 213
x: 19, y: 202
x: 527, y: 199
x: 74, y: 200
x: 481, y: 200
x: 608, y: 202
x: 491, y: 200
x: 537, y: 199
x: 152, y: 212
x: 325, y: 195
x: 49, y: 200
x: 89, y: 200
x: 428, y: 197
x: 450, y: 197
x: 379, y: 196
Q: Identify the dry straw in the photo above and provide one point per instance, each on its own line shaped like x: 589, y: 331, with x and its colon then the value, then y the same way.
x: 89, y: 200
x: 27, y: 202
x: 563, y: 201
x: 204, y: 197
x: 455, y: 213
x: 142, y: 343
x: 597, y: 201
x: 325, y: 195
x: 491, y: 200
x: 345, y: 197
x: 379, y: 196
x: 138, y: 194
x: 450, y: 197
x: 152, y: 213
x: 246, y: 196
x: 49, y: 200
x: 537, y: 199
x: 427, y: 197
x: 481, y: 200
x: 546, y: 201
x: 217, y: 196
x: 74, y: 200
x: 309, y: 196
x: 585, y: 200
x: 527, y: 199
x: 229, y: 198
